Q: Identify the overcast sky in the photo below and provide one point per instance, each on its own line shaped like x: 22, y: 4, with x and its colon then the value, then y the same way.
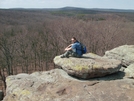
x: 115, y: 4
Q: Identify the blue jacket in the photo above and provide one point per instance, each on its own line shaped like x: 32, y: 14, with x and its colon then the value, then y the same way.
x: 76, y: 47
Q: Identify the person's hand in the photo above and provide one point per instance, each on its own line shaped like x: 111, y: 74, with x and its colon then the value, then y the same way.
x: 69, y: 45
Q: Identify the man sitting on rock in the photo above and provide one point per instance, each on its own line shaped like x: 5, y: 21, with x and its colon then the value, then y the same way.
x: 73, y: 49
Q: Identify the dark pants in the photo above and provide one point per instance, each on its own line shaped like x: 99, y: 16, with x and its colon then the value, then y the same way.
x: 71, y: 53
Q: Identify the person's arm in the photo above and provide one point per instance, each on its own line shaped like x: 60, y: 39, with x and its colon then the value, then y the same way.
x: 68, y: 47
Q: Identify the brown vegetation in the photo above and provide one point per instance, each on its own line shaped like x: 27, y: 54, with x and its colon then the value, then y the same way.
x: 30, y: 39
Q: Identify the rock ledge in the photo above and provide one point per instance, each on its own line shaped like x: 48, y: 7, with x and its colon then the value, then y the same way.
x: 89, y: 66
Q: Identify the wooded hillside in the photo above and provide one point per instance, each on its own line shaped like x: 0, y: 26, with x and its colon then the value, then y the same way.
x: 31, y: 38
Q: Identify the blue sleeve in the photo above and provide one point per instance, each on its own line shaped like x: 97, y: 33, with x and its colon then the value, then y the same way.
x: 73, y: 46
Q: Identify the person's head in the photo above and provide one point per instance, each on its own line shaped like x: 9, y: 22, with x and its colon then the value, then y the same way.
x: 73, y: 39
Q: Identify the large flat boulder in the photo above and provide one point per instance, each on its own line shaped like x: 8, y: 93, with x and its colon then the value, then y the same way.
x: 57, y: 85
x: 124, y: 53
x: 89, y: 66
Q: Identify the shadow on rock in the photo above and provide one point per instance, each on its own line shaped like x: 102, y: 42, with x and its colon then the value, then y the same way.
x: 86, y: 57
x: 114, y: 76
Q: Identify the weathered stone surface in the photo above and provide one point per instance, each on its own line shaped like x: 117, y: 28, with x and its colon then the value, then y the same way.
x: 129, y: 71
x: 56, y: 85
x: 89, y: 66
x: 123, y: 53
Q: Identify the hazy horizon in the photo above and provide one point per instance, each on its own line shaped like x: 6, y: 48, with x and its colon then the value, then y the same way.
x: 101, y: 4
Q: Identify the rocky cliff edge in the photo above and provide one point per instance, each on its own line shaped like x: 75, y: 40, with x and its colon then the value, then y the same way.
x: 57, y: 85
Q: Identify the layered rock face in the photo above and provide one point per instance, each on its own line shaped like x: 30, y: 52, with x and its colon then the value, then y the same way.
x: 57, y: 85
x: 89, y: 66
x: 123, y: 53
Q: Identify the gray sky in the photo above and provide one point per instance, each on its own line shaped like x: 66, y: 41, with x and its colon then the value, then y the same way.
x: 115, y: 4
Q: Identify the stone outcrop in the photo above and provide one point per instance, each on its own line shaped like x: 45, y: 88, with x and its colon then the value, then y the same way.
x: 123, y: 53
x: 129, y: 71
x: 56, y: 85
x: 89, y: 66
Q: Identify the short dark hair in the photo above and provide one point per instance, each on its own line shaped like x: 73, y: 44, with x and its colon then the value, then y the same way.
x: 74, y: 38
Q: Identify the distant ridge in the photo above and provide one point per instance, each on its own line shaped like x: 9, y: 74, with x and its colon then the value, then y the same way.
x: 73, y: 8
x: 68, y: 8
x: 114, y: 10
x: 97, y: 9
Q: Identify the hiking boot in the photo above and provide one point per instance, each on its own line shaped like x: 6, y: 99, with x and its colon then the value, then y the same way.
x: 63, y: 56
x: 67, y: 56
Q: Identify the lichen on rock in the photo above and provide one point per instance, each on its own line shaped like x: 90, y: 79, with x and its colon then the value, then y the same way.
x: 89, y: 66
